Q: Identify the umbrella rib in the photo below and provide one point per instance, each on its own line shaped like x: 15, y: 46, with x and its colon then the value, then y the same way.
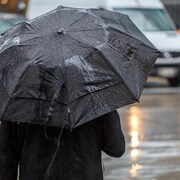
x: 77, y: 20
x: 84, y: 30
x: 18, y: 80
x: 120, y: 50
x: 126, y: 57
x: 141, y: 42
x: 86, y: 45
x: 11, y: 95
x: 24, y: 70
x: 2, y: 85
x: 90, y: 47
x: 15, y: 45
x: 115, y: 48
x: 118, y: 73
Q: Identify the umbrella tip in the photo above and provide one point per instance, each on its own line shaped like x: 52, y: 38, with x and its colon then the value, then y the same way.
x: 60, y: 31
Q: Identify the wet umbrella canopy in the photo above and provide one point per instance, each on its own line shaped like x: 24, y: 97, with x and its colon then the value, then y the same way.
x: 70, y: 66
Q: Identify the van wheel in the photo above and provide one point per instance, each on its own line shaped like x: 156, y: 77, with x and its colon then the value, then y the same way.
x: 174, y: 81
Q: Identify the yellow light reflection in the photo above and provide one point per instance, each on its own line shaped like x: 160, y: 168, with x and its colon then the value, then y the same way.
x: 134, y: 169
x: 4, y: 1
x: 134, y: 130
x: 134, y: 110
x: 134, y: 153
x: 134, y: 139
x: 134, y: 122
x: 134, y: 126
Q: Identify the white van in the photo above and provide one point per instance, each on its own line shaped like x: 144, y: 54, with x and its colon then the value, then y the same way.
x: 153, y: 20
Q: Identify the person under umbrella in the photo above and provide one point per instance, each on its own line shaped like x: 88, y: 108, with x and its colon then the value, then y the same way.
x: 77, y: 158
x: 62, y: 76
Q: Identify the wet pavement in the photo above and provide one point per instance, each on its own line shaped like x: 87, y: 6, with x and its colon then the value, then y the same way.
x: 152, y: 132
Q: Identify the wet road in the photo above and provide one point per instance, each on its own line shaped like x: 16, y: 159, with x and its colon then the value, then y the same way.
x: 152, y: 132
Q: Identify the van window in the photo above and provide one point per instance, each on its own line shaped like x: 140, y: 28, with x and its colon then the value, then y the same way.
x: 149, y: 19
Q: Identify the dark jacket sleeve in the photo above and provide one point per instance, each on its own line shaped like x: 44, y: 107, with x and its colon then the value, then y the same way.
x: 112, y: 138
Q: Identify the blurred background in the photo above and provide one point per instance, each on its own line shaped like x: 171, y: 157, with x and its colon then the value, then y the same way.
x: 152, y: 127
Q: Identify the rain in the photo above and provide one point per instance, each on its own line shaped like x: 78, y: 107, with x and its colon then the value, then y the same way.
x: 151, y: 126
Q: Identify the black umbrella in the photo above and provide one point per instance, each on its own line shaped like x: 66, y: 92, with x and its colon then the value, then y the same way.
x: 70, y: 66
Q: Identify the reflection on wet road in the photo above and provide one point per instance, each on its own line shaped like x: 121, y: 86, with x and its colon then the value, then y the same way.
x: 152, y: 132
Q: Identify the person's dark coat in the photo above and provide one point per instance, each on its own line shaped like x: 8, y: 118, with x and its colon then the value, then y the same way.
x: 78, y: 157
